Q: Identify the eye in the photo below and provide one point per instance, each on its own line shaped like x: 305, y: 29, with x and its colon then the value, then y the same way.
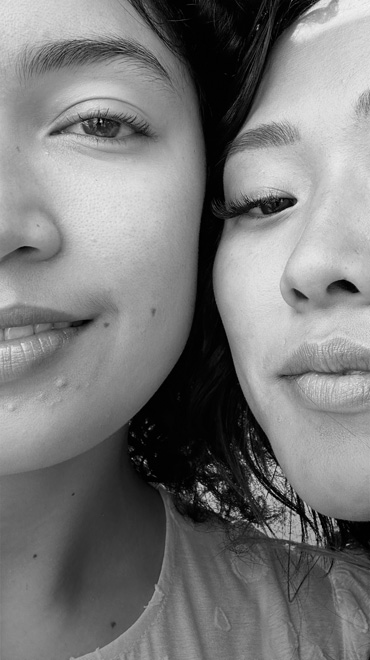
x: 100, y: 127
x: 253, y: 207
x: 269, y: 206
x: 104, y: 126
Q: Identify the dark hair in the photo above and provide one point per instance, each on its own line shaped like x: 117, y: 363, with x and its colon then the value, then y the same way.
x: 217, y: 457
x: 204, y: 34
x: 165, y: 445
x: 209, y: 36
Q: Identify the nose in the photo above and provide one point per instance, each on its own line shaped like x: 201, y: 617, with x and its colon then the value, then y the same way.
x: 27, y: 227
x: 330, y: 261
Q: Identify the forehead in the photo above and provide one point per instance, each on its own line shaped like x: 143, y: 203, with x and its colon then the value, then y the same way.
x: 25, y: 27
x: 324, y: 54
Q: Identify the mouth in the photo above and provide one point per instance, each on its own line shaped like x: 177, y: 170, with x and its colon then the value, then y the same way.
x: 339, y: 356
x: 18, y: 332
x: 332, y: 377
x: 30, y: 337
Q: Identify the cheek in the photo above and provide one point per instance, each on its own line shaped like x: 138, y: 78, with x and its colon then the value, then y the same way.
x: 244, y: 300
x: 143, y: 267
x: 140, y: 223
x: 248, y: 297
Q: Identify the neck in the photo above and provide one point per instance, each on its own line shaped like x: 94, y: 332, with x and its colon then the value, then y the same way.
x: 39, y: 508
x: 58, y: 523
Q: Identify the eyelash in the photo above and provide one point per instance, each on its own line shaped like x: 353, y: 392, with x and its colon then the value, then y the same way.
x: 140, y: 126
x: 230, y: 210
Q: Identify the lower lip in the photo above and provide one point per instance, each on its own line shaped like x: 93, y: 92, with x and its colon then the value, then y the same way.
x: 18, y: 357
x: 340, y: 393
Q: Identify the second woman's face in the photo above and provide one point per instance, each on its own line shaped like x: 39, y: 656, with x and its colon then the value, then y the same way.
x: 101, y: 189
x: 292, y: 275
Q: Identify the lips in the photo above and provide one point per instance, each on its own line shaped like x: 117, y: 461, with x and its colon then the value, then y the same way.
x: 17, y: 332
x: 339, y: 356
x: 23, y: 315
x: 31, y: 336
x: 331, y: 377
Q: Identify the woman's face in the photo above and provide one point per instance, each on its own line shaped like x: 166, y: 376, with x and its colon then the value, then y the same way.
x: 101, y: 188
x: 292, y: 275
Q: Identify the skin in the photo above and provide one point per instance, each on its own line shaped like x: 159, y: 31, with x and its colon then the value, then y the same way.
x: 276, y: 273
x: 111, y: 234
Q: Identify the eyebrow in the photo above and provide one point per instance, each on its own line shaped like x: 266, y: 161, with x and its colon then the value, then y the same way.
x: 282, y: 134
x: 68, y: 53
x: 362, y: 106
x: 265, y: 136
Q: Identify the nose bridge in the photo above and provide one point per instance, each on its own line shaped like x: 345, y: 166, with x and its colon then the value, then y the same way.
x: 332, y: 253
x: 332, y: 218
x: 15, y: 179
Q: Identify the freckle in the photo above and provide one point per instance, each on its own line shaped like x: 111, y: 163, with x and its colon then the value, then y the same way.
x: 113, y: 624
x: 34, y: 556
x: 72, y: 494
x: 18, y: 149
x: 106, y: 325
x: 61, y: 382
x: 153, y: 311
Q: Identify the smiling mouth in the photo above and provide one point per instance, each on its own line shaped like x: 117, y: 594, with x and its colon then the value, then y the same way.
x: 31, y: 337
x: 18, y: 332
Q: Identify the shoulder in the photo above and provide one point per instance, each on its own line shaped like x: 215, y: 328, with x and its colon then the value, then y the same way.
x: 303, y: 601
x: 252, y: 572
x: 269, y: 596
x: 350, y: 579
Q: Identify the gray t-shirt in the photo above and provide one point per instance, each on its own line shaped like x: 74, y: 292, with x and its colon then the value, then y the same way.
x: 211, y: 603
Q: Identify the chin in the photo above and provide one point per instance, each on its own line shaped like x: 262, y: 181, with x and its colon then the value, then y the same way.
x: 350, y: 510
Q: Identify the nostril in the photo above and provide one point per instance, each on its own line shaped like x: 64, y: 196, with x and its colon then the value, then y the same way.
x: 25, y: 248
x: 342, y: 285
x: 299, y: 294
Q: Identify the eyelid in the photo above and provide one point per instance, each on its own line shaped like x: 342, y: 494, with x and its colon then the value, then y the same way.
x: 227, y: 210
x: 131, y: 117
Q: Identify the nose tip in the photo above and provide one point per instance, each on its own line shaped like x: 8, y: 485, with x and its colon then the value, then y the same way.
x: 31, y: 235
x: 316, y: 293
x: 329, y: 259
x: 28, y: 225
x: 328, y: 245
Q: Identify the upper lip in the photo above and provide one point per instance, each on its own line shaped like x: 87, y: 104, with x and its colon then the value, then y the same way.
x: 28, y: 315
x: 337, y: 356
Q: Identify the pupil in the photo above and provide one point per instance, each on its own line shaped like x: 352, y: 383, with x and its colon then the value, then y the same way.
x: 101, y: 127
x: 275, y: 205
